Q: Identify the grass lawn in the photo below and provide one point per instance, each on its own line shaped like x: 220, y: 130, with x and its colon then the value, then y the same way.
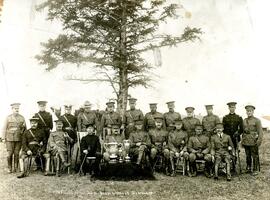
x: 68, y: 187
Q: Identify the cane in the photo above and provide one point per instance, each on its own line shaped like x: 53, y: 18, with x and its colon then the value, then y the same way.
x: 238, y: 156
x: 29, y: 165
x: 82, y: 164
x: 259, y: 164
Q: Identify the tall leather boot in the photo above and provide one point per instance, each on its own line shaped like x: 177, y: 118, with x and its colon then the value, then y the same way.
x: 47, y: 166
x: 23, y: 174
x: 194, y: 169
x: 9, y: 161
x: 16, y: 163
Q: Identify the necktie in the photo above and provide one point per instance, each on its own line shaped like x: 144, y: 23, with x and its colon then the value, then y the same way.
x: 220, y: 136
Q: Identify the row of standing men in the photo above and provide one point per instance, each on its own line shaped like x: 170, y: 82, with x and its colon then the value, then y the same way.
x: 234, y: 126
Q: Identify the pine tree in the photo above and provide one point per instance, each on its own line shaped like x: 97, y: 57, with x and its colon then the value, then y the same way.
x: 111, y: 34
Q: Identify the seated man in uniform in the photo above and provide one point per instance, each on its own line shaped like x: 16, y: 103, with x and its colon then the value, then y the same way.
x: 139, y: 142
x: 90, y: 147
x: 221, y: 147
x: 177, y: 143
x: 33, y: 144
x: 114, y: 136
x: 158, y: 138
x: 199, y: 148
x: 57, y: 147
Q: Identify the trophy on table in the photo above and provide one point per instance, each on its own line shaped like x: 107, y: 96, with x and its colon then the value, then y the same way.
x: 112, y: 148
x: 127, y: 147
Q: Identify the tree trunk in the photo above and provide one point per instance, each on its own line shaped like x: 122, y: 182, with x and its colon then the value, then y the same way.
x: 123, y: 72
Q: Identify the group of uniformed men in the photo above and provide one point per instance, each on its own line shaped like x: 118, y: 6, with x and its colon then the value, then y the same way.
x: 153, y: 134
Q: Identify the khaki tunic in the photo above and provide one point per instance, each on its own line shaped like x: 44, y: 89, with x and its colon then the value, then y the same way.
x: 130, y: 117
x: 139, y: 136
x: 177, y: 141
x: 220, y: 145
x: 253, y: 132
x: 200, y: 142
x: 149, y: 120
x: 14, y: 128
x: 57, y: 141
x: 189, y: 124
x: 85, y: 119
x: 209, y: 123
x: 158, y: 138
x: 170, y: 118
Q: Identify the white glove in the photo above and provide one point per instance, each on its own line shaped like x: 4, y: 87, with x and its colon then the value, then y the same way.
x: 213, y: 158
x: 29, y: 152
x: 181, y: 153
x: 177, y: 154
x: 138, y: 144
x: 85, y: 151
x: 229, y: 148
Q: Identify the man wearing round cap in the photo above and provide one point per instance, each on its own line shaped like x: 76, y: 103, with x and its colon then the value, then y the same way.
x: 57, y: 147
x: 252, y: 139
x: 87, y: 117
x: 171, y: 116
x: 210, y: 121
x: 69, y: 123
x: 13, y: 129
x: 90, y: 147
x: 199, y: 147
x: 139, y: 142
x: 149, y: 119
x: 45, y: 122
x: 222, y: 149
x: 159, y: 145
x: 33, y: 144
x: 190, y: 121
x: 70, y: 127
x: 177, y: 143
x: 131, y: 116
x: 233, y: 124
x: 110, y: 117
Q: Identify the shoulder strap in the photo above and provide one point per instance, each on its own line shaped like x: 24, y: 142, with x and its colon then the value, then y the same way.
x: 130, y: 115
x: 67, y: 120
x: 85, y: 117
x: 30, y: 131
x: 42, y: 119
x: 110, y: 117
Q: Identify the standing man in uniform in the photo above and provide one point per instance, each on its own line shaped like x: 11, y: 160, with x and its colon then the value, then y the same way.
x: 110, y: 117
x: 45, y: 122
x: 69, y: 123
x: 210, y: 121
x: 190, y: 121
x: 86, y: 118
x: 171, y: 116
x: 149, y: 119
x: 233, y: 124
x: 131, y: 116
x: 199, y: 147
x: 252, y: 139
x: 33, y: 144
x: 14, y: 127
x: 70, y: 127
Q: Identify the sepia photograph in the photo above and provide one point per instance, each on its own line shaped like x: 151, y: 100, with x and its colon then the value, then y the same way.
x: 134, y: 99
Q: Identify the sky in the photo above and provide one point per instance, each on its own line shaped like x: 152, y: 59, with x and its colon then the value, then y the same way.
x: 229, y: 63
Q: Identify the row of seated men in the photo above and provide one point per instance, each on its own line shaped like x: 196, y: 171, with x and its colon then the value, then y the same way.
x: 15, y: 129
x: 158, y: 142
